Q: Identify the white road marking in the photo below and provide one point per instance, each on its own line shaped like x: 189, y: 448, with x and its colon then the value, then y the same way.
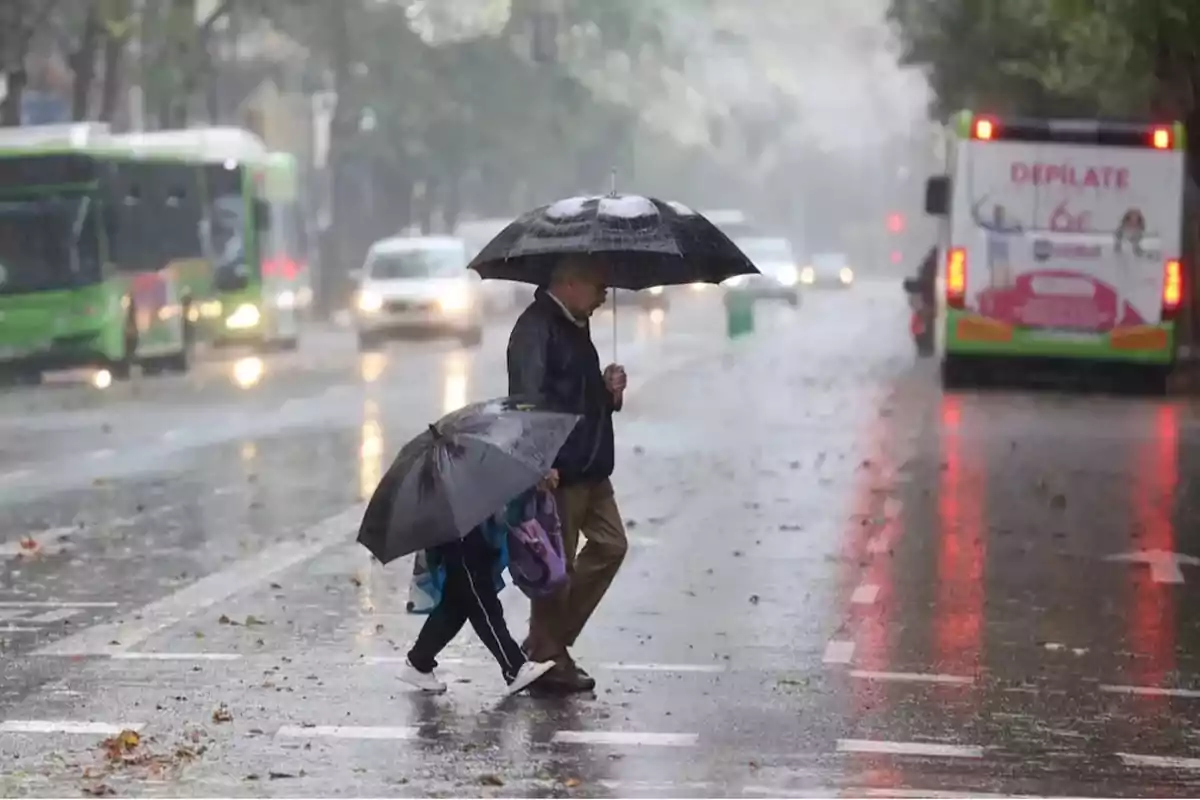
x: 612, y: 666
x: 176, y: 656
x: 99, y: 454
x: 618, y: 666
x: 55, y: 615
x: 909, y: 748
x: 626, y: 738
x: 915, y: 677
x: 19, y: 629
x: 865, y: 594
x: 1162, y: 762
x: 14, y: 475
x: 209, y: 590
x: 53, y: 604
x: 838, y: 651
x: 1164, y: 564
x: 1150, y: 691
x: 66, y: 726
x: 347, y: 732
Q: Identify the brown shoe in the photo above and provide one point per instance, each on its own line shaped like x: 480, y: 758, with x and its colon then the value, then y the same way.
x: 564, y: 678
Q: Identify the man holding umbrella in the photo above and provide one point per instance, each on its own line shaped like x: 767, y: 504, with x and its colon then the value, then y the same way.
x: 574, y: 250
x: 551, y: 355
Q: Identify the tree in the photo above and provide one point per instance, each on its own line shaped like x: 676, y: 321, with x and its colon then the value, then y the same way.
x: 20, y: 22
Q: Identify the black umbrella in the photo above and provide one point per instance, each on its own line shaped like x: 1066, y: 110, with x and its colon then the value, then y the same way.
x: 653, y: 243
x: 459, y: 472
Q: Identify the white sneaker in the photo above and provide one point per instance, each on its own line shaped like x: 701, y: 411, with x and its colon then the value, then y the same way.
x: 425, y: 681
x: 529, y: 672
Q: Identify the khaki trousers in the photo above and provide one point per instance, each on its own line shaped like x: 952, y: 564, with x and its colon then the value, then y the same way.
x: 590, y: 510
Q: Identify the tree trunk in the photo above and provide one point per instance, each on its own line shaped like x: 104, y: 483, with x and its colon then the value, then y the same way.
x: 83, y: 64
x: 334, y: 286
x: 110, y: 90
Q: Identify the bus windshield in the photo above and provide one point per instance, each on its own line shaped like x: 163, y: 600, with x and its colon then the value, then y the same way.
x: 48, y: 243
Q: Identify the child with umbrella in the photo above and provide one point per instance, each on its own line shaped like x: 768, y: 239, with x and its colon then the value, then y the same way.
x: 440, y: 498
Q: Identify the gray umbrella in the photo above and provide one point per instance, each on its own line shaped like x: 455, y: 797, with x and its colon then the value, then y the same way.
x: 459, y: 472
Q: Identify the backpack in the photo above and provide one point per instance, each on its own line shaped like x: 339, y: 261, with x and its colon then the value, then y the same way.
x: 535, y: 548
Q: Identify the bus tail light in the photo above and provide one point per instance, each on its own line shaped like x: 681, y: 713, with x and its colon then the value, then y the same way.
x: 956, y: 276
x: 1162, y: 139
x: 984, y: 130
x: 1172, y: 292
x: 281, y: 267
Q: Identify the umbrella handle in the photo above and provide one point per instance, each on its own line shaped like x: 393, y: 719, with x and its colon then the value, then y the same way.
x: 615, y: 326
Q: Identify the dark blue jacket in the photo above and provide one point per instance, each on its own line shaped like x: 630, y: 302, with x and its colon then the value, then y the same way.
x: 554, y: 359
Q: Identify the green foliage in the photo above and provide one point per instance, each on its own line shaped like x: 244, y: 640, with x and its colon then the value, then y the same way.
x: 1110, y: 57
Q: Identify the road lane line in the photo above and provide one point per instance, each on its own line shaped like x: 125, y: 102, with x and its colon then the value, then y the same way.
x: 19, y: 629
x: 53, y: 604
x: 1150, y: 691
x: 618, y: 666
x: 208, y: 591
x: 865, y: 594
x: 611, y: 666
x: 626, y: 738
x: 838, y: 651
x: 909, y: 748
x: 55, y: 615
x: 14, y: 475
x: 66, y: 726
x: 176, y: 656
x: 915, y: 677
x: 347, y: 732
x: 99, y: 454
x: 1162, y: 762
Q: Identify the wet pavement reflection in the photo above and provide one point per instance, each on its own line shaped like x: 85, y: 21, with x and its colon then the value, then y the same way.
x: 841, y: 581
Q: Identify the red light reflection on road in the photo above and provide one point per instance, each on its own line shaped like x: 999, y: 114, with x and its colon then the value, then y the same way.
x: 961, y: 548
x: 1152, y: 605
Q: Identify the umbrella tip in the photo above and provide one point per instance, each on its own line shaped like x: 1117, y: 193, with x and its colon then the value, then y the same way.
x: 433, y: 429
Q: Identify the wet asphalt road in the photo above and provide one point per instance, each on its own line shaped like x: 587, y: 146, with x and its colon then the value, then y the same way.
x: 841, y: 581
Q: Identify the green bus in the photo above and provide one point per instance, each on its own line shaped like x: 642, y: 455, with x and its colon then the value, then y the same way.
x: 102, y: 254
x: 255, y: 229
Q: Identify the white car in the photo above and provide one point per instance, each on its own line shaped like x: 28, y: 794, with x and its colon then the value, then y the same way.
x: 418, y: 285
x: 828, y: 269
x: 777, y: 263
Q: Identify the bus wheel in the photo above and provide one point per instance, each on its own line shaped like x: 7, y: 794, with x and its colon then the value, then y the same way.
x: 956, y: 373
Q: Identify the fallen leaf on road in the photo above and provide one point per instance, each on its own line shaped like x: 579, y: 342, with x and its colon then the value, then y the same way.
x: 491, y: 780
x: 99, y: 790
x: 222, y: 714
x: 571, y: 783
x: 275, y: 776
x: 253, y: 777
x: 224, y: 620
x: 356, y: 580
x: 253, y: 620
x: 754, y: 599
x: 115, y: 747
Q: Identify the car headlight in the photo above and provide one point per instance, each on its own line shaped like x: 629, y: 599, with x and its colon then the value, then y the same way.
x: 735, y: 281
x: 244, y: 316
x: 808, y: 275
x: 788, y: 275
x: 846, y: 274
x: 369, y: 302
x: 286, y: 299
x: 656, y: 290
x: 455, y: 300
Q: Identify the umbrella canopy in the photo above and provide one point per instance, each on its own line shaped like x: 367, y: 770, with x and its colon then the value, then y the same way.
x: 459, y: 472
x: 651, y: 243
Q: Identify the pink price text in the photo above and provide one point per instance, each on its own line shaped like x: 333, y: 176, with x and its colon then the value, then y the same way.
x: 1069, y: 175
